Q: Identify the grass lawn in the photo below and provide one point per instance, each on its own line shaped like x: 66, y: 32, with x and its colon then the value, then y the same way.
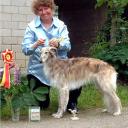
x: 91, y: 98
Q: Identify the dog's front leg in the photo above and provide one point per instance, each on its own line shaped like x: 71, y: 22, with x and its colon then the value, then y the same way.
x: 63, y: 101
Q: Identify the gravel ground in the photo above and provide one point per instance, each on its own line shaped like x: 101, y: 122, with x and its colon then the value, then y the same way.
x: 92, y: 118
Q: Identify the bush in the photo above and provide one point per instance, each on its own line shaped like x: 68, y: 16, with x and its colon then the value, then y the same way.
x: 117, y: 56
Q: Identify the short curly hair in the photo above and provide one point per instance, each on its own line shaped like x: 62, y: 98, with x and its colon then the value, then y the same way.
x: 37, y: 3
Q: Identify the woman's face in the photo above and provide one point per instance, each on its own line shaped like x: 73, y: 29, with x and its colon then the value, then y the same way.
x: 45, y: 13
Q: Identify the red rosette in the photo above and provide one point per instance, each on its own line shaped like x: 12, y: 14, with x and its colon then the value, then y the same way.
x: 7, y: 56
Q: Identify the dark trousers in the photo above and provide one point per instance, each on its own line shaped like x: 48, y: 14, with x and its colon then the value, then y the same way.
x: 73, y: 98
x: 73, y: 95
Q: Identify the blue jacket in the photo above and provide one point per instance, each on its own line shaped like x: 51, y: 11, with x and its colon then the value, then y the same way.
x: 36, y: 30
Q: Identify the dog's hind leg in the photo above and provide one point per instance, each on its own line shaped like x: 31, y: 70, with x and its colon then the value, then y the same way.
x: 116, y: 104
x: 107, y: 85
x: 113, y: 103
x: 63, y: 101
x: 111, y: 100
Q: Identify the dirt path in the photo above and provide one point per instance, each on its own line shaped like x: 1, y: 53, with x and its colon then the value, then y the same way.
x: 88, y: 119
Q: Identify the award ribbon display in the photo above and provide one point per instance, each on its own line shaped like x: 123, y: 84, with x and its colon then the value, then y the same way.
x: 8, y: 58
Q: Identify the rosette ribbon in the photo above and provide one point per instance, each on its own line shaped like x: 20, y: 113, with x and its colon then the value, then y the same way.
x: 8, y: 57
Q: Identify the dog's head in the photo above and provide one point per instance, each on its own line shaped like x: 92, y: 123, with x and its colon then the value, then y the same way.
x: 47, y: 53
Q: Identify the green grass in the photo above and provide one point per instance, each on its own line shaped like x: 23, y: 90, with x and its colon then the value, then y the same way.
x: 89, y: 98
x: 123, y: 94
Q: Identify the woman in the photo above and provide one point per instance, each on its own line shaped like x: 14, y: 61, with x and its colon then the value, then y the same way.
x: 45, y: 30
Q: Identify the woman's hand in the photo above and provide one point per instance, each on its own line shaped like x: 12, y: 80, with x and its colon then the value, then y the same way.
x: 54, y: 42
x: 39, y: 42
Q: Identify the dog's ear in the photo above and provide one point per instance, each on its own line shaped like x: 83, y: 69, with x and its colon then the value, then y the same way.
x: 53, y: 51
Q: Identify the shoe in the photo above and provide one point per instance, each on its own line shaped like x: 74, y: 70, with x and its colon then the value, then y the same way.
x: 72, y: 108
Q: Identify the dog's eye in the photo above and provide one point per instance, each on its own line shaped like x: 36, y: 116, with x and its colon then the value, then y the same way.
x: 46, y: 53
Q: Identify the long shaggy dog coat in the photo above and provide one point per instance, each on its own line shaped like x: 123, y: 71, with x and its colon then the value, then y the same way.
x: 69, y: 74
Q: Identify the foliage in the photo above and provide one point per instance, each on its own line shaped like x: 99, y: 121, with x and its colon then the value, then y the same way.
x: 117, y: 56
x: 114, y: 31
x: 97, y: 48
x: 116, y: 6
x: 112, y: 3
x: 116, y: 9
x: 21, y: 95
x: 122, y: 31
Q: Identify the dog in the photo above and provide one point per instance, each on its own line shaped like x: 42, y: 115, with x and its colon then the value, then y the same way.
x: 72, y: 73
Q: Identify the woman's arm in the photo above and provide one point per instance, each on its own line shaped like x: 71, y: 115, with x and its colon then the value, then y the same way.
x: 65, y: 43
x: 29, y: 43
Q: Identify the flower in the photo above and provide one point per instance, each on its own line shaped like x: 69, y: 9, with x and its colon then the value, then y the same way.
x: 17, y: 75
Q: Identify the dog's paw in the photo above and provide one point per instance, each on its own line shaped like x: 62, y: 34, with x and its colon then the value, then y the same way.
x: 104, y: 110
x: 116, y: 113
x: 57, y: 115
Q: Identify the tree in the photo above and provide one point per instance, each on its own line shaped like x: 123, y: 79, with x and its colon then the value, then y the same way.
x: 117, y: 9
